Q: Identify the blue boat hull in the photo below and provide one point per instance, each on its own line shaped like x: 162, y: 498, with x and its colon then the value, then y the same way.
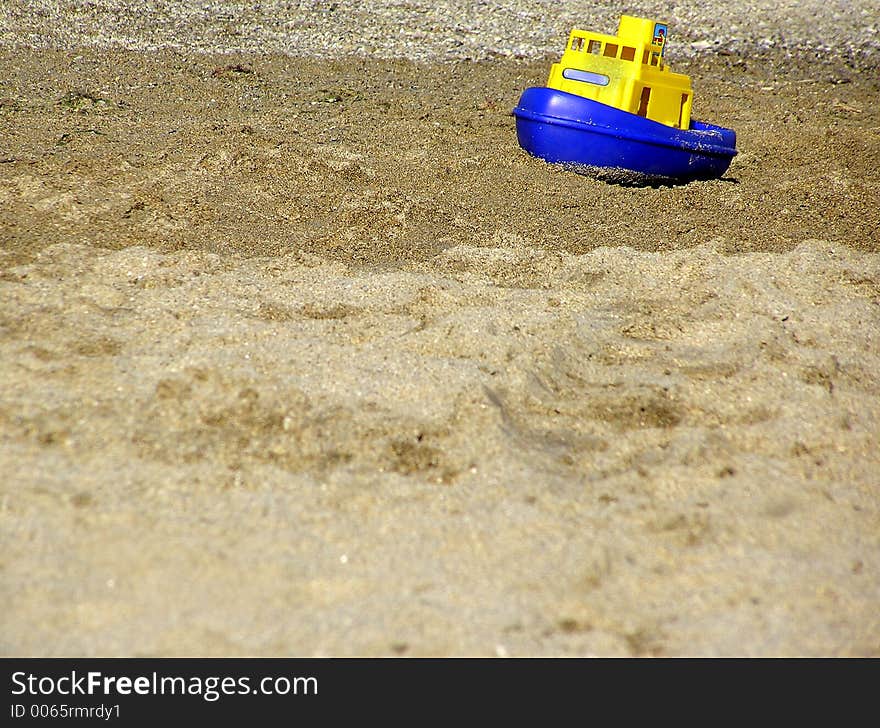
x: 595, y: 138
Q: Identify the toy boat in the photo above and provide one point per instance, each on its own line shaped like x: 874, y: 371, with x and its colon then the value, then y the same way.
x: 613, y: 108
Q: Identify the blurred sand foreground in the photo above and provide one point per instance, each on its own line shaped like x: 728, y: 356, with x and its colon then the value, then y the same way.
x: 302, y: 358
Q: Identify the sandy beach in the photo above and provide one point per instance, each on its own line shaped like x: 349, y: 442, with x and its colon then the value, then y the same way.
x: 301, y: 354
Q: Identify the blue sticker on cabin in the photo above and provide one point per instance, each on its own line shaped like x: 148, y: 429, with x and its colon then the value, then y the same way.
x: 660, y: 32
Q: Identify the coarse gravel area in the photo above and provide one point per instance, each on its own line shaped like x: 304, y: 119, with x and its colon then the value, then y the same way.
x: 432, y: 31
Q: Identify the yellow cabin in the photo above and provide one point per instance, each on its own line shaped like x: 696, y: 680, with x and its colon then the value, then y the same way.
x: 626, y: 71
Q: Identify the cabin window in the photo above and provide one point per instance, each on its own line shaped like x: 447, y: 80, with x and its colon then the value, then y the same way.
x: 655, y: 58
x: 610, y: 50
x: 684, y: 98
x: 577, y: 44
x: 574, y: 74
x: 645, y: 57
x: 643, y: 101
x: 627, y: 54
x: 593, y: 47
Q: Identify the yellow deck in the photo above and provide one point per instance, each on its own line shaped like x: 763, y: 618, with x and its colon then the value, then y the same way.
x: 626, y: 71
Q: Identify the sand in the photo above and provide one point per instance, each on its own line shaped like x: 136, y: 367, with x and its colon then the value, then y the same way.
x: 304, y: 356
